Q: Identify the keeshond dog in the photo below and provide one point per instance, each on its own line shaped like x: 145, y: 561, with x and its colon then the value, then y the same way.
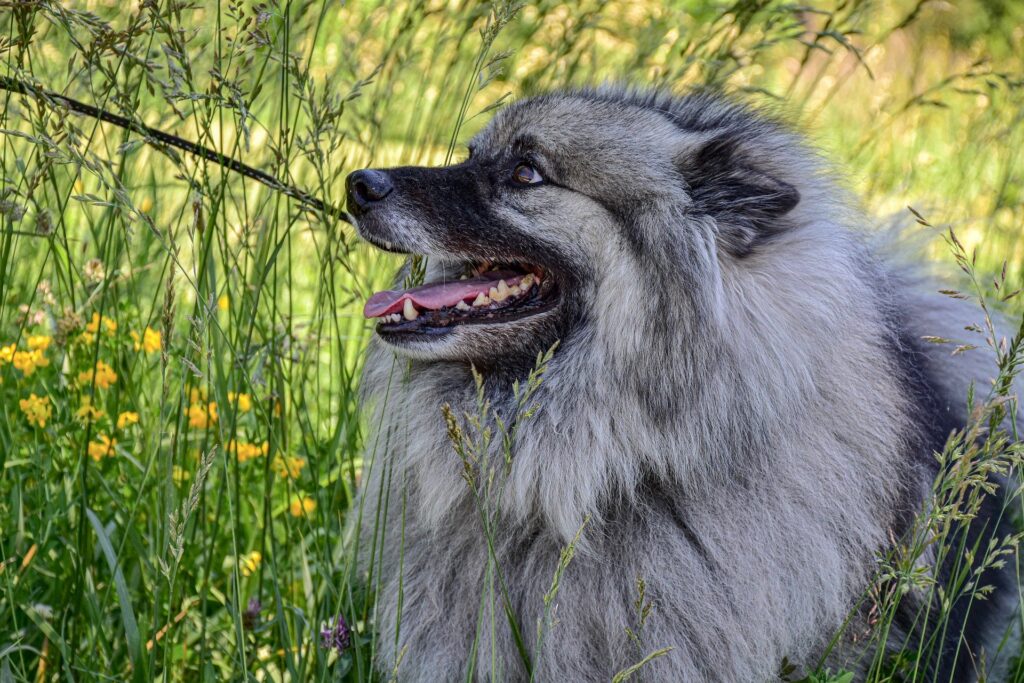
x: 740, y: 412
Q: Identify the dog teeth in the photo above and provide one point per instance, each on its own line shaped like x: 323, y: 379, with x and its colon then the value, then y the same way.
x: 409, y: 311
x: 498, y: 294
x: 503, y: 291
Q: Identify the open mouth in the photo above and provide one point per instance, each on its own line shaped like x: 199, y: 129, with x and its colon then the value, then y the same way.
x: 488, y: 292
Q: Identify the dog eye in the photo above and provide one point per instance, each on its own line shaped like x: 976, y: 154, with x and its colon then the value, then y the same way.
x: 524, y: 174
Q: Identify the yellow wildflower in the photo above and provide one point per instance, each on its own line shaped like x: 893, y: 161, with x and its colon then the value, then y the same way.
x: 37, y: 409
x: 288, y: 467
x: 244, y: 401
x: 250, y: 562
x: 247, y: 451
x: 180, y: 474
x: 28, y: 361
x: 93, y: 326
x: 145, y: 205
x: 7, y: 353
x: 127, y: 418
x: 102, y: 447
x: 87, y: 412
x: 39, y: 342
x: 104, y: 376
x: 222, y: 302
x: 303, y: 505
x: 197, y: 395
x: 200, y: 416
x: 148, y: 342
x: 151, y: 340
x: 197, y: 416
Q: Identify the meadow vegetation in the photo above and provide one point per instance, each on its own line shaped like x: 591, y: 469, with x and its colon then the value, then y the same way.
x: 180, y: 348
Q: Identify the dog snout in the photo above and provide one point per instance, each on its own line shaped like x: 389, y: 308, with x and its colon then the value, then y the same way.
x: 365, y: 188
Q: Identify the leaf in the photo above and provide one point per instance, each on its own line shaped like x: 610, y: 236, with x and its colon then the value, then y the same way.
x: 48, y: 631
x: 131, y: 627
x: 786, y: 669
x: 518, y: 638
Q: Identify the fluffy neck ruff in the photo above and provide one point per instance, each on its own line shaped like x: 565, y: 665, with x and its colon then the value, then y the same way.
x: 649, y: 392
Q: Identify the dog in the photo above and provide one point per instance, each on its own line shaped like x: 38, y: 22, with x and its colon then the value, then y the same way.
x: 737, y: 414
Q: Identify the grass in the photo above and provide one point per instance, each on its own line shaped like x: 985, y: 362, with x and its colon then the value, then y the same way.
x: 207, y: 539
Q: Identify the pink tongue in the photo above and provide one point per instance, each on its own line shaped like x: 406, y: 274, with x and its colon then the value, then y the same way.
x: 436, y: 296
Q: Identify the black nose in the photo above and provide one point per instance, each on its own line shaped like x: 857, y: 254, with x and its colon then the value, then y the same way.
x: 365, y: 188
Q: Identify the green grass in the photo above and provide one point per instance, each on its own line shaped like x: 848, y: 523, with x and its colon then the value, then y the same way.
x: 139, y: 564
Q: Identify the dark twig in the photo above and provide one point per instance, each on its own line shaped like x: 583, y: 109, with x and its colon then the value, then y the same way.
x: 153, y: 135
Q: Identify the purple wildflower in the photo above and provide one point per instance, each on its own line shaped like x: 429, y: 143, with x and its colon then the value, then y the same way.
x: 337, y: 637
x: 251, y: 615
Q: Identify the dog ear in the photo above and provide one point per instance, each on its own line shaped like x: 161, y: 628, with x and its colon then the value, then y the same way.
x: 748, y: 203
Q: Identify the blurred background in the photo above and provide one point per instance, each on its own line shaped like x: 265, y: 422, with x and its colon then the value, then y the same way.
x: 180, y: 347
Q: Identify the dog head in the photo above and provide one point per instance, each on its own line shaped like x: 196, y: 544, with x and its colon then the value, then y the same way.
x: 601, y: 206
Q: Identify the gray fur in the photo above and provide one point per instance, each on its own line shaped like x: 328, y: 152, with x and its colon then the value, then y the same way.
x: 725, y: 406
